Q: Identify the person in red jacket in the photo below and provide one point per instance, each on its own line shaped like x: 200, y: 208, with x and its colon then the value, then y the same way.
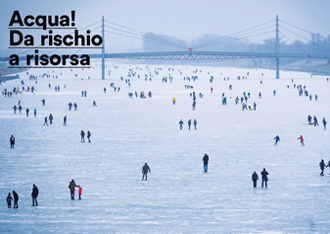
x: 301, y: 140
x: 79, y: 192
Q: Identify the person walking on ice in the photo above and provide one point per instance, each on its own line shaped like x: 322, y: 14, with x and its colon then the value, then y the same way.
x: 277, y: 138
x: 89, y: 136
x: 322, y: 166
x: 72, y: 186
x: 301, y: 140
x: 9, y: 200
x: 195, y: 124
x: 34, y: 195
x: 206, y: 162
x: 181, y: 123
x: 315, y: 121
x: 45, y: 123
x: 82, y: 134
x: 12, y: 141
x: 50, y: 118
x: 255, y: 178
x: 15, y: 200
x: 328, y: 165
x: 264, y: 174
x: 145, y: 170
x: 324, y: 123
x: 189, y: 123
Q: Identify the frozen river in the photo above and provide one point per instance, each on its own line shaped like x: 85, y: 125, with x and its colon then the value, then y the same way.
x: 127, y: 132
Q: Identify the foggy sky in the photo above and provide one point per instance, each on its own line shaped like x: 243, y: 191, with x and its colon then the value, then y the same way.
x: 185, y: 19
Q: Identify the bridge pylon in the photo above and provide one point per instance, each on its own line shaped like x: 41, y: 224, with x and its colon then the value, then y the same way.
x: 277, y: 47
x: 103, y: 48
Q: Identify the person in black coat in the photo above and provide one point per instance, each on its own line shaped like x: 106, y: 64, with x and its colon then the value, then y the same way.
x: 264, y: 174
x: 34, y: 195
x: 206, y: 162
x: 89, y: 136
x: 15, y: 199
x: 82, y: 134
x: 254, y: 179
x: 12, y: 141
x: 9, y: 200
x: 145, y: 170
x: 322, y: 166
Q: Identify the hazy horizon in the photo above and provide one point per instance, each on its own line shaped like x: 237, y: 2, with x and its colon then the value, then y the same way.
x: 185, y: 20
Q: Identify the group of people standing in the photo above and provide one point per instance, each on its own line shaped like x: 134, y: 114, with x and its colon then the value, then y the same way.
x: 189, y: 124
x: 264, y: 176
x: 72, y: 186
x: 15, y: 198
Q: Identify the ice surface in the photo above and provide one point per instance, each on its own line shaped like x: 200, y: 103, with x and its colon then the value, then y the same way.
x: 178, y: 197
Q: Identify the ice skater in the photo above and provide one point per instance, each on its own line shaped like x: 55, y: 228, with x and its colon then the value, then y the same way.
x: 64, y: 120
x: 27, y: 112
x: 322, y: 166
x: 72, y: 186
x: 45, y: 123
x: 206, y: 162
x: 264, y: 174
x: 277, y: 138
x: 70, y: 106
x: 301, y: 140
x: 34, y: 195
x: 89, y: 136
x: 15, y: 200
x: 94, y: 104
x: 9, y: 200
x: 35, y: 112
x: 173, y: 100
x: 255, y: 178
x: 12, y: 141
x: 43, y: 101
x: 181, y: 123
x: 82, y: 134
x: 145, y: 170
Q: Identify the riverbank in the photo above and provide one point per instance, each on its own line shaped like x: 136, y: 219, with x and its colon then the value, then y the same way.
x: 5, y: 71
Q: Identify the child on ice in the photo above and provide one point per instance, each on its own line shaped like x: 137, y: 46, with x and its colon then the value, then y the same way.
x: 79, y: 192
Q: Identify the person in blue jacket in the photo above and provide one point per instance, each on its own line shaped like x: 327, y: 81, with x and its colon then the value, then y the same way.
x: 277, y: 138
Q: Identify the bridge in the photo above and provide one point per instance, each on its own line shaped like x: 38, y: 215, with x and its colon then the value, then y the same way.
x: 191, y: 53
